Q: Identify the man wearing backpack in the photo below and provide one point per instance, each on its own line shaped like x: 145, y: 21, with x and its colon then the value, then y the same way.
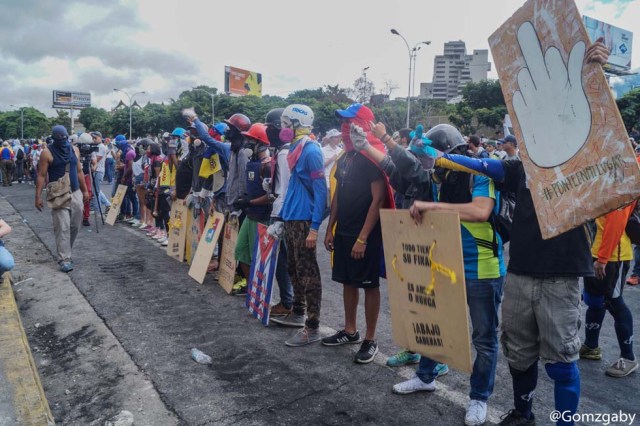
x: 20, y: 160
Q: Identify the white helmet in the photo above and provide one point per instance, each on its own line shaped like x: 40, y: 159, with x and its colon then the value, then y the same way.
x: 85, y: 138
x: 297, y: 115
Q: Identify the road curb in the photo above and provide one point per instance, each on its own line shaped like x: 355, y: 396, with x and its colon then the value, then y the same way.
x: 22, y: 389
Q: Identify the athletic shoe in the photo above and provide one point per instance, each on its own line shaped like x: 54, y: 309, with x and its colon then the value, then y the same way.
x: 129, y: 219
x: 152, y: 232
x: 290, y: 320
x: 367, y: 352
x: 135, y: 222
x: 85, y: 222
x: 476, y: 413
x: 633, y: 280
x: 165, y: 242
x: 66, y: 267
x: 621, y: 368
x: 147, y: 228
x: 304, y: 337
x: 160, y: 235
x: 514, y: 418
x: 342, y: 338
x: 239, y: 288
x: 441, y: 370
x: 403, y: 358
x: 414, y: 385
x: 588, y: 353
x: 279, y: 310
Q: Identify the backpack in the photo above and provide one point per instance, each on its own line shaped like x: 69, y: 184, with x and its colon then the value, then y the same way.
x: 633, y: 225
x: 20, y: 155
x: 503, y: 220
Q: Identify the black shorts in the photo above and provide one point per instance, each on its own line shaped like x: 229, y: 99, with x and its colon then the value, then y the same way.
x: 362, y: 273
x: 613, y: 283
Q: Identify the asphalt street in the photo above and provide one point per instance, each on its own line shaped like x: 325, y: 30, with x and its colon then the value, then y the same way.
x: 155, y: 313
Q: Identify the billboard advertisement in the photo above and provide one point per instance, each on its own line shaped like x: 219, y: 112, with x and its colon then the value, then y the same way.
x: 75, y: 100
x: 242, y: 82
x: 618, y: 41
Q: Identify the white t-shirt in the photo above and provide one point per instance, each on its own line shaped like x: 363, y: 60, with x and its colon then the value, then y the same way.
x: 102, y: 152
x: 35, y: 157
x: 330, y: 152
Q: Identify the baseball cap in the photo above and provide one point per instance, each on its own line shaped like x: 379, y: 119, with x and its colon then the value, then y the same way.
x: 96, y: 134
x: 356, y: 110
x: 333, y: 133
x: 509, y: 138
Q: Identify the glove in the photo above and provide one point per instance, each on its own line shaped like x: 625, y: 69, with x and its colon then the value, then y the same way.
x: 189, y: 114
x: 358, y: 137
x: 241, y: 204
x: 276, y: 229
x: 266, y: 184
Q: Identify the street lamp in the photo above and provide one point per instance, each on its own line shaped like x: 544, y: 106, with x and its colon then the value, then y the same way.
x: 364, y: 91
x: 21, y: 120
x: 213, y: 96
x: 130, y: 107
x: 412, y: 56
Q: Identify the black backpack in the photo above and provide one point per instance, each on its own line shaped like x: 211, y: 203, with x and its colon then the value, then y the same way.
x: 20, y: 155
x: 503, y: 220
x: 633, y: 225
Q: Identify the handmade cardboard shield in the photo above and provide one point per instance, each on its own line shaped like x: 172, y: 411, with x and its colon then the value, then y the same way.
x: 227, y: 273
x: 206, y: 246
x: 572, y: 141
x: 116, y: 202
x: 177, y: 230
x: 195, y: 226
x: 263, y: 269
x: 427, y: 294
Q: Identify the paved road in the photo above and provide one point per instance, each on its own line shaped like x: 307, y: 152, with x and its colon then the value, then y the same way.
x: 157, y: 314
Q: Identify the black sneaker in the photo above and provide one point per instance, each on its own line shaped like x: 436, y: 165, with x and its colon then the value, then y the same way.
x: 85, y: 222
x: 341, y: 338
x: 514, y: 418
x: 367, y: 352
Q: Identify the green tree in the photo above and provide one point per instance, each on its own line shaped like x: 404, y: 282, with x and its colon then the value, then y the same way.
x: 629, y: 106
x: 95, y: 119
x: 461, y: 115
x: 484, y: 94
x: 62, y: 118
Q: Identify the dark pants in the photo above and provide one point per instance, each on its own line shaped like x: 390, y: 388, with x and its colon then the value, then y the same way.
x: 7, y: 171
x: 109, y: 168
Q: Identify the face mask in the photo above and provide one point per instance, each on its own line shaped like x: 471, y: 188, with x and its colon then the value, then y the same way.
x: 197, y: 142
x: 286, y: 135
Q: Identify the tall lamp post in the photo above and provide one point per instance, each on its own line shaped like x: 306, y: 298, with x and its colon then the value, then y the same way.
x: 130, y: 107
x: 213, y: 106
x: 21, y: 120
x: 364, y: 90
x: 412, y: 55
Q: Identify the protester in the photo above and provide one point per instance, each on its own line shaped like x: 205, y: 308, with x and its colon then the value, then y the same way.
x: 331, y: 151
x: 475, y: 149
x: 6, y: 163
x: 303, y: 210
x: 7, y: 262
x: 129, y: 209
x: 109, y: 165
x: 20, y: 159
x: 59, y: 160
x: 500, y: 150
x: 510, y: 147
x: 492, y: 150
x: 98, y: 164
x: 612, y: 254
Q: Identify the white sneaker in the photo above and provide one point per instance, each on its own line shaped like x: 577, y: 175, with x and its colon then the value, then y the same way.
x: 476, y: 413
x: 135, y: 222
x: 414, y: 385
x: 163, y: 240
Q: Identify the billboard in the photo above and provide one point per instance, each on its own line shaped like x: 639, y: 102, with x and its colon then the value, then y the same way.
x: 75, y: 100
x: 242, y: 82
x: 618, y: 41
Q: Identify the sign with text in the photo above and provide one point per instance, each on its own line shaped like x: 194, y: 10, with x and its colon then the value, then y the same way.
x: 572, y: 141
x: 177, y: 230
x: 195, y: 226
x: 426, y: 286
x: 75, y: 100
x: 227, y: 275
x: 116, y: 202
x: 618, y: 41
x: 206, y: 246
x: 263, y: 269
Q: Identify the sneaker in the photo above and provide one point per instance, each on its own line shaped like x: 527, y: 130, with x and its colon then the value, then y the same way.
x: 135, y: 222
x: 152, y: 233
x: 160, y: 235
x: 514, y: 418
x: 129, y: 219
x: 414, y: 385
x: 165, y: 242
x: 367, y: 352
x: 588, y: 353
x: 403, y: 358
x: 279, y: 310
x: 633, y: 280
x: 290, y: 320
x: 342, y: 338
x: 476, y: 413
x: 146, y: 228
x: 120, y: 218
x: 239, y: 288
x: 304, y: 337
x: 621, y: 368
x: 85, y: 222
x: 441, y: 370
x: 66, y: 267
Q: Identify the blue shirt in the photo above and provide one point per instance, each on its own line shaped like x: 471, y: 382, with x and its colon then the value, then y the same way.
x: 5, y: 153
x: 307, y: 192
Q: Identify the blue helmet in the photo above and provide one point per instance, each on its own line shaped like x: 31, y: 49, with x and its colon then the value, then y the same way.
x: 221, y: 128
x: 120, y: 138
x: 178, y: 131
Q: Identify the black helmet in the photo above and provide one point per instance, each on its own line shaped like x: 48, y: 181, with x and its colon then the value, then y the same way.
x: 155, y: 149
x: 445, y: 138
x: 273, y: 117
x: 144, y: 143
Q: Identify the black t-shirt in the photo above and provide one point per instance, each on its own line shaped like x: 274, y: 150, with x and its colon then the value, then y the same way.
x: 354, y: 175
x: 567, y: 255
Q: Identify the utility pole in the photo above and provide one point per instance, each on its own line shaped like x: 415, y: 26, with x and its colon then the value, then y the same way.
x: 130, y: 108
x: 213, y: 97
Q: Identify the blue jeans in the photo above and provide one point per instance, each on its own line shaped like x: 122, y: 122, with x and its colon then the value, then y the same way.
x: 104, y: 201
x: 282, y: 276
x: 636, y: 260
x: 130, y: 202
x: 6, y: 260
x: 109, y: 168
x: 483, y: 298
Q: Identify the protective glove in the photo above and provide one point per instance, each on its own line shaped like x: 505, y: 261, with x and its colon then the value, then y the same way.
x: 241, y: 204
x: 276, y: 229
x: 358, y: 137
x: 266, y: 184
x: 189, y: 114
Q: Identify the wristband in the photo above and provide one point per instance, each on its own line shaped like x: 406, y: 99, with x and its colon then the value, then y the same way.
x: 364, y: 243
x: 385, y: 138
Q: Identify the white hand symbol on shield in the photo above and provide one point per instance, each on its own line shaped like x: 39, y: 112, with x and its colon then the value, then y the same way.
x: 551, y: 106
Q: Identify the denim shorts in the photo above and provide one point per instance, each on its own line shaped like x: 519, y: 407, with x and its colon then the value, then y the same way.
x: 137, y: 180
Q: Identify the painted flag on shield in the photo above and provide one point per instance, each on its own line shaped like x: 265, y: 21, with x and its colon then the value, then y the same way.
x: 263, y: 267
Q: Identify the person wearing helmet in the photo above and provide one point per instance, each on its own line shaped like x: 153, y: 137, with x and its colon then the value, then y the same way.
x: 303, y: 210
x: 255, y: 202
x: 60, y: 159
x: 276, y: 186
x: 238, y: 157
x: 129, y: 209
x: 85, y: 138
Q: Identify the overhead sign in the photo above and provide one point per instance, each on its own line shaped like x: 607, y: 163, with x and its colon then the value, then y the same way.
x: 75, y: 100
x: 242, y: 82
x: 573, y: 144
x: 618, y: 41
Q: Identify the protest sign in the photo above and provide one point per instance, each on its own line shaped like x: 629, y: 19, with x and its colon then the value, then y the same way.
x: 116, y: 202
x: 427, y: 294
x: 227, y: 274
x: 263, y: 269
x: 195, y: 226
x: 206, y: 246
x: 177, y: 230
x: 572, y: 141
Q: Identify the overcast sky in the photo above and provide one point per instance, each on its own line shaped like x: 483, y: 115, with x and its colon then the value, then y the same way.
x: 165, y: 47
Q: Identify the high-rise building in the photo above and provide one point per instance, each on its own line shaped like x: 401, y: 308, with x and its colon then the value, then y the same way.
x: 454, y: 69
